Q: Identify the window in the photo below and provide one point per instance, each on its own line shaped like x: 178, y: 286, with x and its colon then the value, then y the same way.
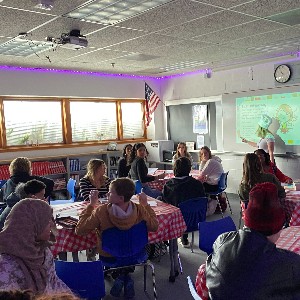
x: 92, y: 121
x: 32, y: 122
x: 56, y: 122
x: 132, y: 120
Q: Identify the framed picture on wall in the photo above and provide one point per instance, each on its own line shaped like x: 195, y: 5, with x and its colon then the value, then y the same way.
x: 200, y: 124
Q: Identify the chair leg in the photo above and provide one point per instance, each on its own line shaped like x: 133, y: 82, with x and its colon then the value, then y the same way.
x: 192, y: 242
x: 145, y: 275
x: 240, y: 220
x: 153, y: 280
x: 160, y: 251
x: 179, y: 263
x: 228, y: 203
x: 220, y: 207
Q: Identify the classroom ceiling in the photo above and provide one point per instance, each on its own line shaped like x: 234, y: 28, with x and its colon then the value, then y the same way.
x: 174, y: 37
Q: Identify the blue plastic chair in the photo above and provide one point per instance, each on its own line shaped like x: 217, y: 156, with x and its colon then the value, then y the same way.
x: 209, y: 231
x: 193, y: 211
x: 138, y: 186
x: 71, y: 190
x: 85, y: 279
x: 128, y: 249
x: 222, y: 185
x: 193, y: 289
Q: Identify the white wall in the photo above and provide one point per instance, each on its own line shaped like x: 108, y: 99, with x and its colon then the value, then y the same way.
x: 41, y: 83
x: 244, y: 79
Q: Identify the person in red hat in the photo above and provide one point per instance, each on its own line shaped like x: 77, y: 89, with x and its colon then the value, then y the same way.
x: 246, y: 264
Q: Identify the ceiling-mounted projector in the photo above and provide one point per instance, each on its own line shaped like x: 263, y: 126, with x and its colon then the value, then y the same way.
x: 73, y: 40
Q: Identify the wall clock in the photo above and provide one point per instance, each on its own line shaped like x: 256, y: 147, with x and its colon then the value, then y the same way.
x: 282, y: 73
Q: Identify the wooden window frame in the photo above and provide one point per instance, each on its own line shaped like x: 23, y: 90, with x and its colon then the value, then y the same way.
x: 66, y: 123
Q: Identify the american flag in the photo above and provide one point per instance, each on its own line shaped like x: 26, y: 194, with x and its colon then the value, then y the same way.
x: 152, y: 101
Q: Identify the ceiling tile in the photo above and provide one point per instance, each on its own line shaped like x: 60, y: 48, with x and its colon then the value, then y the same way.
x: 264, y: 8
x: 112, y: 35
x: 60, y: 6
x: 207, y: 24
x: 22, y: 21
x: 224, y: 3
x: 240, y: 31
x: 144, y: 43
x: 170, y: 14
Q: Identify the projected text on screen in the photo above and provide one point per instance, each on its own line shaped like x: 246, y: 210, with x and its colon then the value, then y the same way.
x: 282, y: 108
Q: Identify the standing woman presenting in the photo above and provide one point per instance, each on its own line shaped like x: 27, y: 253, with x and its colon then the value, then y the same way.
x: 267, y: 139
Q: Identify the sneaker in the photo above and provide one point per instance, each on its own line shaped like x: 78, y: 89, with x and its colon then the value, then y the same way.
x: 117, y: 287
x: 129, y: 288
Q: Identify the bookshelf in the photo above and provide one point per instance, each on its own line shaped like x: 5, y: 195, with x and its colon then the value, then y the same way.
x: 61, y: 168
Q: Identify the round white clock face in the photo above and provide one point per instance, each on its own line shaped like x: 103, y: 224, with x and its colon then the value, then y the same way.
x: 282, y: 73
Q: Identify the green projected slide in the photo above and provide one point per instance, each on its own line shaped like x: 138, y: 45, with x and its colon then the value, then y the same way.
x: 282, y: 108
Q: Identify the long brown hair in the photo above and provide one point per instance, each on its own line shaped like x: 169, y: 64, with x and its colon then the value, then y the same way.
x: 252, y: 169
x: 186, y: 154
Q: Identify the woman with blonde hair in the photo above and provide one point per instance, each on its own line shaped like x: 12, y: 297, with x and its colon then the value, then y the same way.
x: 181, y: 151
x: 95, y: 179
x: 267, y: 139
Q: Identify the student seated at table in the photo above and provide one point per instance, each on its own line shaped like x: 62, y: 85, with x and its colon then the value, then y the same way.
x: 182, y: 187
x: 120, y: 212
x: 246, y: 264
x: 95, y: 179
x: 210, y: 169
x: 271, y: 168
x: 253, y: 174
x: 20, y: 171
x: 26, y: 261
x: 181, y: 151
x: 31, y: 189
x: 124, y: 164
x: 139, y: 170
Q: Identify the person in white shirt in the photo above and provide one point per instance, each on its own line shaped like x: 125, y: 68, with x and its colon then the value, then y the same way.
x: 210, y: 169
x: 267, y: 139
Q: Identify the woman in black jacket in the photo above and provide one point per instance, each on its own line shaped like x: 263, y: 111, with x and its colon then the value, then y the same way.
x: 123, y: 164
x: 20, y: 171
x: 139, y: 170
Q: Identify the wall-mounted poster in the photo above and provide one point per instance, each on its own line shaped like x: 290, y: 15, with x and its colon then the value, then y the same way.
x: 200, y: 119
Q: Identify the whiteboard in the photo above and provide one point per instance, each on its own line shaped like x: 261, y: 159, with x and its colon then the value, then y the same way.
x: 231, y: 132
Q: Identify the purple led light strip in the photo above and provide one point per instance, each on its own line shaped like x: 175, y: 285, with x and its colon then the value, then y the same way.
x: 87, y: 73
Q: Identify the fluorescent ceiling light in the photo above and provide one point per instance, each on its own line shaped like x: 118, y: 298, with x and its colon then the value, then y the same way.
x: 23, y: 47
x: 113, y: 11
x: 45, y: 4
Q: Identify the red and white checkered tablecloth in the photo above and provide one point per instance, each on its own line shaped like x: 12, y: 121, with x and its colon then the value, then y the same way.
x: 292, y: 207
x: 290, y: 239
x: 159, y: 184
x: 170, y: 225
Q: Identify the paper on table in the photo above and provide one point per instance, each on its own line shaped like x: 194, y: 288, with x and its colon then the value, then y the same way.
x: 168, y: 171
x: 151, y: 171
x: 294, y: 192
x: 150, y: 202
